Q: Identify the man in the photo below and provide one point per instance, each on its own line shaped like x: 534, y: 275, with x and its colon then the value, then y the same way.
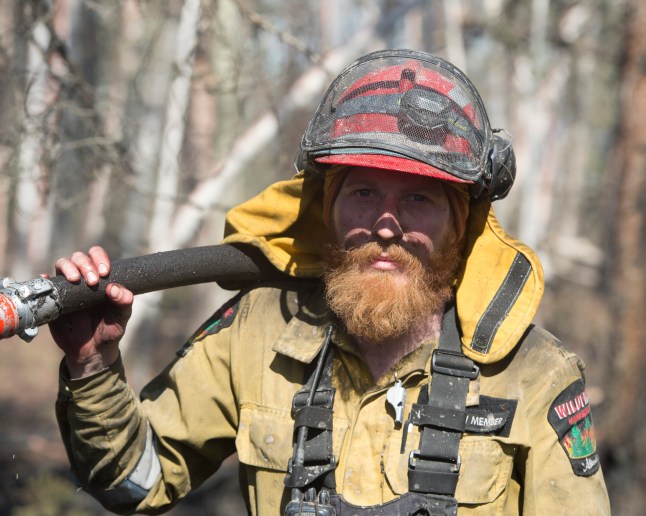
x: 398, y: 277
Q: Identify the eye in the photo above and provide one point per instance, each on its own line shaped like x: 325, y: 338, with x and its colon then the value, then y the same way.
x: 363, y: 192
x: 418, y: 197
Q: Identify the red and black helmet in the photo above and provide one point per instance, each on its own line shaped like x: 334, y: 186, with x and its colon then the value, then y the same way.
x: 412, y: 112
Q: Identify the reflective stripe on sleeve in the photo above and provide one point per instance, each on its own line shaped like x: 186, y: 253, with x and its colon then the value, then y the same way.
x: 135, y: 488
x: 148, y: 468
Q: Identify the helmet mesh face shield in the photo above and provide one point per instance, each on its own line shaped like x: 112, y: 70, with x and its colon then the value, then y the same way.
x: 405, y: 108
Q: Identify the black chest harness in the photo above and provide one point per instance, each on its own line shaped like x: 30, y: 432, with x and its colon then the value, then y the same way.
x: 433, y: 469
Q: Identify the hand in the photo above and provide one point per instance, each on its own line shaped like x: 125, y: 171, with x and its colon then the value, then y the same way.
x: 90, y: 338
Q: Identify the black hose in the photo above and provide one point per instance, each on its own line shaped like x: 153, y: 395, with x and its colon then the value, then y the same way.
x: 230, y: 266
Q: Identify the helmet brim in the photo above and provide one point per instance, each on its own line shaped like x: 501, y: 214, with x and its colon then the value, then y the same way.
x: 394, y: 163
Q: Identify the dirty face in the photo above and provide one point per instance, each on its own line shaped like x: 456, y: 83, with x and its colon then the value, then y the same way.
x: 375, y: 205
x: 394, y: 262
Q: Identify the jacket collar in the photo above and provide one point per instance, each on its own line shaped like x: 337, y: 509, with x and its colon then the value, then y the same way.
x: 303, y: 336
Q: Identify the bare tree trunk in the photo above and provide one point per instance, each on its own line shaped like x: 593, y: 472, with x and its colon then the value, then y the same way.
x: 455, y: 51
x: 534, y: 107
x: 5, y: 184
x: 627, y: 442
x: 174, y: 125
x: 8, y: 136
x: 72, y: 166
x: 146, y: 106
x: 94, y: 223
x: 414, y: 23
x: 30, y: 199
x: 108, y: 181
x: 329, y: 13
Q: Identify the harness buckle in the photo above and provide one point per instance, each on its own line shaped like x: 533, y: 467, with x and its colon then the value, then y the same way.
x: 453, y: 363
x: 310, y: 503
x: 453, y: 467
x: 303, y: 508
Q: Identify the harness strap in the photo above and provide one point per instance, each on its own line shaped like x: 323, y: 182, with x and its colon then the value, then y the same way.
x: 435, y: 467
x: 312, y: 464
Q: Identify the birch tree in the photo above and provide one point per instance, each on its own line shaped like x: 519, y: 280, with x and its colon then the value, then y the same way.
x: 146, y: 103
x: 30, y: 220
x: 174, y: 125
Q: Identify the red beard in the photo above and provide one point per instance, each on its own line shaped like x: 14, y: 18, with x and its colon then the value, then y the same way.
x: 380, y: 304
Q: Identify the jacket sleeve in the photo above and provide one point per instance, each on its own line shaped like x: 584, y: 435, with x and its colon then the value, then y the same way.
x: 145, y: 455
x: 561, y: 469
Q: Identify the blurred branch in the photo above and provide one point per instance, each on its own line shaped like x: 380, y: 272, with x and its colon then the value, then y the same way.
x: 71, y: 76
x: 284, y: 36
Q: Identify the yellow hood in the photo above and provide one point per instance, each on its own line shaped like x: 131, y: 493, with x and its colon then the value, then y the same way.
x: 498, y: 289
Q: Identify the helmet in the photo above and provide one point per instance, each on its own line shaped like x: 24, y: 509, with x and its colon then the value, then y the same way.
x: 413, y: 112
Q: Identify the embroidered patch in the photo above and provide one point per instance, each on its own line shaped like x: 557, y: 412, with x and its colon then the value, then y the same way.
x: 491, y: 416
x: 222, y: 318
x: 571, y: 419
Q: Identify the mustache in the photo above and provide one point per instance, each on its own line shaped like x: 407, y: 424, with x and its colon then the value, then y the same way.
x: 374, y: 250
x: 370, y: 252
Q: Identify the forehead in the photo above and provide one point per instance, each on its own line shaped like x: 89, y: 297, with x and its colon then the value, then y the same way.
x: 390, y: 179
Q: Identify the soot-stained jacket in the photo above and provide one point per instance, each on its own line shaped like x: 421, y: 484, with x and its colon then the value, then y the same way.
x: 529, y: 446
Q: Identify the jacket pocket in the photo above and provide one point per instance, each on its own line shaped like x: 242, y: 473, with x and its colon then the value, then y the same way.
x: 265, y: 437
x: 484, y: 474
x: 486, y: 470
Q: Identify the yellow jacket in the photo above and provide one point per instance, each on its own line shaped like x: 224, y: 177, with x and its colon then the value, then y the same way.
x: 232, y: 390
x: 232, y: 386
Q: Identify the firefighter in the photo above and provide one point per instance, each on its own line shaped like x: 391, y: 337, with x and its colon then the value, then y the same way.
x: 395, y: 370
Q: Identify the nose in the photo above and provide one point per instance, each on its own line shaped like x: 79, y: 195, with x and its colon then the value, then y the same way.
x: 387, y: 227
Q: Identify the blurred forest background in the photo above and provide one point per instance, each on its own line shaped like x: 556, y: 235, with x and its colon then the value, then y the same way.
x: 136, y: 124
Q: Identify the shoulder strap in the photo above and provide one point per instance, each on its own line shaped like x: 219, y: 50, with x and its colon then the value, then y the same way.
x: 435, y: 467
x: 440, y: 413
x: 312, y: 464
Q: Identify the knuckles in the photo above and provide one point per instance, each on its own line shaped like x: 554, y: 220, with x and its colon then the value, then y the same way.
x: 79, y: 257
x: 96, y: 250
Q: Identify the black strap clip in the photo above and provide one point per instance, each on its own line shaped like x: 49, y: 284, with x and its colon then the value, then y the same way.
x: 432, y: 476
x: 454, y: 363
x: 311, y: 502
x: 453, y: 467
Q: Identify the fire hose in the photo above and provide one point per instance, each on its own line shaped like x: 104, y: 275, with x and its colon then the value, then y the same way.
x: 27, y: 305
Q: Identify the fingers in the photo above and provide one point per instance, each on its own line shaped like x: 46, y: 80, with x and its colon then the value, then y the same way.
x: 91, y: 266
x: 65, y: 267
x: 119, y: 294
x: 100, y: 259
x: 122, y: 299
